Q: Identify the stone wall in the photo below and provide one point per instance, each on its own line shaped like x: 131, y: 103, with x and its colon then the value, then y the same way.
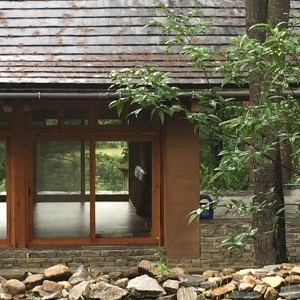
x: 106, y: 258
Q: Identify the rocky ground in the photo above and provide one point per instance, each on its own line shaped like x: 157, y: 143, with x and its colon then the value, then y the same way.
x: 155, y: 281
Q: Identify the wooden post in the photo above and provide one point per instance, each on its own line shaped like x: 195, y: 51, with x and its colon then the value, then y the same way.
x: 18, y: 187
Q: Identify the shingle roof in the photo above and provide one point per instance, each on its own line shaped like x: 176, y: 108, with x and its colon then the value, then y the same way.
x: 76, y: 41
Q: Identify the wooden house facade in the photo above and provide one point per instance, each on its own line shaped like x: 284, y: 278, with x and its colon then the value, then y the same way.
x: 64, y: 152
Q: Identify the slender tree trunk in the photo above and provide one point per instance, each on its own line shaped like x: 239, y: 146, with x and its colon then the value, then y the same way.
x: 270, y: 246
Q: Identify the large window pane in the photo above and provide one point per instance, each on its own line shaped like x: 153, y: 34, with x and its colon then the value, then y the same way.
x: 123, y: 189
x: 3, y: 202
x: 61, y: 189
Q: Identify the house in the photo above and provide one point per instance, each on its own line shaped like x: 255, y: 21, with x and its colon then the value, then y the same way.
x: 61, y: 145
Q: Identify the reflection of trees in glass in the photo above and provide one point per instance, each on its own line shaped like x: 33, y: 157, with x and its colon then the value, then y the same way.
x: 111, y: 156
x: 2, y: 166
x: 59, y: 166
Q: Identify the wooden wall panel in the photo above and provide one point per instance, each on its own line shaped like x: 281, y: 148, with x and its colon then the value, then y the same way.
x: 181, y: 193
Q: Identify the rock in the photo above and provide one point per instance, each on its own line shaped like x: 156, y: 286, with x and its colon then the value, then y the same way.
x: 290, y: 292
x: 283, y: 273
x: 260, y: 288
x: 114, y: 276
x: 5, y: 296
x: 167, y: 297
x: 249, y: 279
x: 207, y: 285
x: 171, y: 286
x: 33, y: 280
x: 228, y: 271
x: 132, y: 272
x: 221, y: 291
x: 221, y: 280
x: 243, y: 295
x: 57, y: 272
x: 3, y: 280
x: 210, y: 273
x: 244, y: 272
x: 191, y: 280
x: 295, y: 270
x: 145, y: 286
x: 37, y: 289
x: 271, y: 294
x: 273, y: 281
x: 147, y: 267
x: 246, y: 287
x: 104, y: 291
x: 96, y: 273
x: 186, y: 294
x: 176, y: 272
x: 287, y: 266
x: 65, y: 285
x: 14, y: 287
x: 292, y: 279
x: 79, y: 291
x: 80, y: 274
x: 51, y: 286
x: 272, y: 268
x: 54, y: 295
x: 122, y: 283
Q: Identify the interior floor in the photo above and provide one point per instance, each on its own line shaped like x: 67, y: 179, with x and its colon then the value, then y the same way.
x: 72, y: 220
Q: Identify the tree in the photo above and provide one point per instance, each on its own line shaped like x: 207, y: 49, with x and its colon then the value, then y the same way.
x: 252, y: 136
x: 269, y: 246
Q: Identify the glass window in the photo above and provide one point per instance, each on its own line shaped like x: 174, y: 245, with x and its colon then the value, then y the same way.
x: 61, y: 189
x: 123, y: 188
x: 76, y: 117
x: 44, y: 117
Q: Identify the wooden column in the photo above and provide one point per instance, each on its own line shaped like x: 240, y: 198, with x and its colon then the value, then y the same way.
x: 181, y: 190
x: 18, y: 183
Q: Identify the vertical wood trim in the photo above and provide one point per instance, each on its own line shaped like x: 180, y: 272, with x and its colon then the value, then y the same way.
x: 92, y: 191
x: 8, y: 192
x: 156, y: 217
x: 32, y: 186
x: 19, y: 193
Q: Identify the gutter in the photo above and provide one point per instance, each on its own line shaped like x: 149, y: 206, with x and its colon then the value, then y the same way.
x: 242, y: 95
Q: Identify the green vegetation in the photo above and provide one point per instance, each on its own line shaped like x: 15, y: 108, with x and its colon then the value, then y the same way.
x: 242, y: 145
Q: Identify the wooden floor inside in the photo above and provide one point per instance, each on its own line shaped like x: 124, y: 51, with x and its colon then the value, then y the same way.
x: 72, y: 219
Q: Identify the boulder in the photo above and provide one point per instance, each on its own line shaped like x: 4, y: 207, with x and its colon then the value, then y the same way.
x: 105, y: 291
x: 33, y: 280
x: 14, y: 287
x: 273, y: 281
x: 295, y: 270
x: 292, y: 279
x: 147, y: 267
x: 271, y: 294
x: 145, y: 286
x: 290, y: 292
x: 191, y: 280
x: 80, y: 274
x: 223, y: 290
x: 186, y: 293
x: 50, y: 286
x: 57, y: 272
x: 244, y: 295
x: 79, y: 291
x: 171, y: 286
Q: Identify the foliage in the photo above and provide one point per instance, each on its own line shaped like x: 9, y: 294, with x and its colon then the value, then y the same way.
x: 161, y: 267
x: 236, y: 241
x: 238, y: 132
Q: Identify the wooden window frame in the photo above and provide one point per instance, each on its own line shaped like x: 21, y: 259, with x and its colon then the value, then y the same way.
x: 93, y: 133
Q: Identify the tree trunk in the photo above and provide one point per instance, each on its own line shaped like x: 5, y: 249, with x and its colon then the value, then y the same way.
x: 270, y: 246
